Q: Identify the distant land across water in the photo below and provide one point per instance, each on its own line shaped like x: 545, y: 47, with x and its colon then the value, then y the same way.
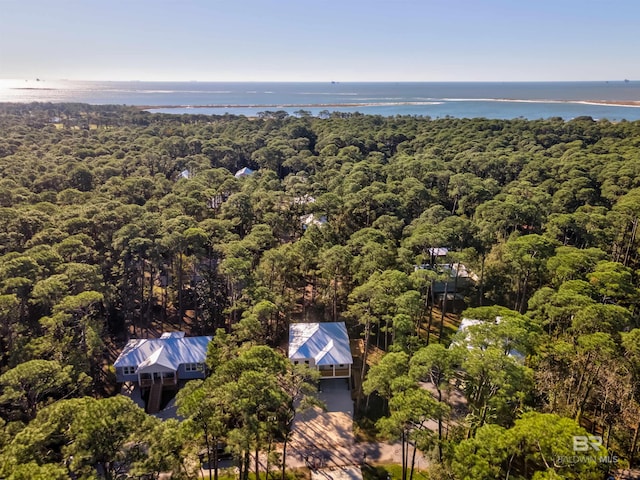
x: 613, y: 100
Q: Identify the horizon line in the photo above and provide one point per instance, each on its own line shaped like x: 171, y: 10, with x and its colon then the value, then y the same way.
x: 335, y: 82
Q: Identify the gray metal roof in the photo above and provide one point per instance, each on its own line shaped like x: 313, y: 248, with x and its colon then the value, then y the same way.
x: 327, y: 343
x: 170, y: 351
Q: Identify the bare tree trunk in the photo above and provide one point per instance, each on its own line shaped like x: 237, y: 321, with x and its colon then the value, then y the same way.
x: 433, y: 301
x: 304, y: 299
x: 444, y: 310
x: 364, y: 362
x: 509, y: 467
x: 634, y: 444
x: 480, y: 290
x: 483, y: 417
x: 180, y: 299
x: 257, y: 457
x: 618, y: 246
x: 142, y: 282
x: 257, y: 462
x: 284, y: 454
x: 455, y: 279
x: 150, y: 297
x: 165, y: 301
x: 386, y: 335
x: 246, y: 465
x: 208, y: 445
x: 439, y: 427
x: 266, y: 475
x: 413, y: 461
x: 404, y: 461
x: 634, y: 229
x: 423, y: 308
x: 335, y: 300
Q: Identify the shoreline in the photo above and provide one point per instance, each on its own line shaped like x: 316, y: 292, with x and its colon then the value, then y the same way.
x: 604, y: 103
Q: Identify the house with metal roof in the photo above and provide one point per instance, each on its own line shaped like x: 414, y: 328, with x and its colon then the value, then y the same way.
x: 438, y: 251
x: 312, y: 219
x: 468, y: 331
x: 244, y: 172
x: 461, y: 281
x: 324, y: 346
x: 163, y: 360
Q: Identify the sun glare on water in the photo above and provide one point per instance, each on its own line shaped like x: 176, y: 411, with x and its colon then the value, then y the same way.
x: 28, y: 90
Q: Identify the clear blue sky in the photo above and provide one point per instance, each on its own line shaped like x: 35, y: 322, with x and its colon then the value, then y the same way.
x: 320, y: 40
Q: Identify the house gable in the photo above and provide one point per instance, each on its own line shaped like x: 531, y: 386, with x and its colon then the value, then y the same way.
x: 322, y: 343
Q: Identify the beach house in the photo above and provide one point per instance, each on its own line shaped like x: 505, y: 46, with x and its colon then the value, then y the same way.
x: 163, y: 360
x: 468, y: 335
x: 323, y: 346
x: 244, y: 172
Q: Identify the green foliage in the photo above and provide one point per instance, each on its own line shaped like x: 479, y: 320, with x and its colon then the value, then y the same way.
x: 385, y: 377
x: 537, y: 446
x: 81, y: 434
x: 436, y: 364
x: 32, y: 383
x: 105, y: 432
x: 103, y: 238
x: 252, y: 398
x: 33, y: 471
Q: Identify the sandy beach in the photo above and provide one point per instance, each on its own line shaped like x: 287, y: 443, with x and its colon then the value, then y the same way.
x: 617, y: 103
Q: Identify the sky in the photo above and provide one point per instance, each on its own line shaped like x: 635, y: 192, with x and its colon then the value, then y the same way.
x: 320, y: 40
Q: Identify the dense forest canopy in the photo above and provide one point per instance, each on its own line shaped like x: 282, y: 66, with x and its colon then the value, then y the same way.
x: 117, y: 222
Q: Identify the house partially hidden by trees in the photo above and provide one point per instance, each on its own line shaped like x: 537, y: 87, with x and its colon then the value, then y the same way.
x: 312, y: 219
x: 324, y: 346
x: 453, y: 277
x: 474, y: 333
x: 453, y: 280
x: 244, y: 172
x: 163, y: 360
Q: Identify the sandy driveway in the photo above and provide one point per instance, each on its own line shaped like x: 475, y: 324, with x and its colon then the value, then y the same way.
x: 316, y: 429
x: 325, y: 439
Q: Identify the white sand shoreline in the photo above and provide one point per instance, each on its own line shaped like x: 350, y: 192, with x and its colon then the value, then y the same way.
x: 435, y: 101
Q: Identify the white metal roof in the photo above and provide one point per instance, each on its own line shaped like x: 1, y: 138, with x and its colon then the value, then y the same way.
x: 169, y: 352
x: 467, y: 322
x: 303, y: 199
x: 243, y: 172
x: 172, y: 335
x: 159, y: 361
x: 470, y: 322
x: 327, y: 343
x: 311, y: 219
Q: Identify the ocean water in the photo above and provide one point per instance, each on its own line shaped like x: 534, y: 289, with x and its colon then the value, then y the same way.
x: 489, y: 100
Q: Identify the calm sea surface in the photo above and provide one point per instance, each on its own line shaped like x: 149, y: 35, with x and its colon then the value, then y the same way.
x: 490, y: 100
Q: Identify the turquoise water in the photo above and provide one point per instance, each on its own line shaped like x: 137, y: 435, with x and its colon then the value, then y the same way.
x: 490, y: 100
